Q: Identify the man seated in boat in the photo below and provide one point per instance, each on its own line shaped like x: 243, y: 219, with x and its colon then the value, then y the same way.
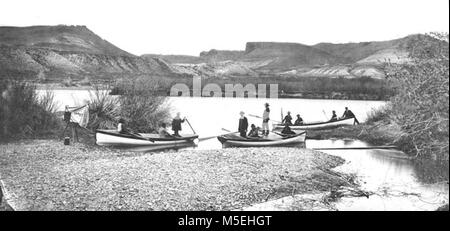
x: 121, y: 128
x: 162, y: 131
x: 349, y: 114
x: 298, y: 121
x: 243, y: 125
x: 287, y: 119
x: 176, y: 124
x: 333, y: 117
x: 254, y: 132
x: 287, y: 130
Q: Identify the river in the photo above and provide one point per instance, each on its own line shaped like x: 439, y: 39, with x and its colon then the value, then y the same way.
x: 398, y: 182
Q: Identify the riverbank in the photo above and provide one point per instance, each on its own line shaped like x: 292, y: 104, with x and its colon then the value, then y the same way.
x: 379, y: 133
x: 383, y: 133
x: 47, y: 175
x: 335, y: 95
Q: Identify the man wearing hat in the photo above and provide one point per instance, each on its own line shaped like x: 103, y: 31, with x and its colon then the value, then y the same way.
x: 243, y: 125
x: 265, y: 123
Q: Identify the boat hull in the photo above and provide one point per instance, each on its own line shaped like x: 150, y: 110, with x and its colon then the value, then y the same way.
x: 275, y: 141
x: 318, y: 126
x: 115, y: 139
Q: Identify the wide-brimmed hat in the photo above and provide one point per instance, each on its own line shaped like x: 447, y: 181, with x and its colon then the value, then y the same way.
x: 242, y: 112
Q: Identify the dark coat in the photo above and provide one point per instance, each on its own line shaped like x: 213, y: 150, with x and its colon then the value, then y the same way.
x: 333, y: 117
x: 287, y: 130
x: 287, y: 120
x: 176, y: 124
x: 348, y: 114
x: 243, y: 124
x: 299, y: 121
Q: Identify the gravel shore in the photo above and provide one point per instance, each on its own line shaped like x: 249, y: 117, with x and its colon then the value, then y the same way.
x: 47, y: 175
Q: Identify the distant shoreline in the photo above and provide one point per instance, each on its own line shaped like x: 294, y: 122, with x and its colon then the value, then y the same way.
x: 296, y: 95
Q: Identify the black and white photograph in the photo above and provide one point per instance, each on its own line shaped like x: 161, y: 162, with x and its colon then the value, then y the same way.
x: 234, y: 106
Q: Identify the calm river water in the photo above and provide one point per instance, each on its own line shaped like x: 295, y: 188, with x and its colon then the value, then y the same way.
x: 398, y: 182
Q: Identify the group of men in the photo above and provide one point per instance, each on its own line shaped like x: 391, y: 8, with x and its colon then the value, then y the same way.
x: 162, y: 130
x: 287, y: 121
x: 347, y: 114
x: 243, y: 124
x: 254, y: 132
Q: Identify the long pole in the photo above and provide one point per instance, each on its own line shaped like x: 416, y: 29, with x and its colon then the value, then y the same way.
x: 190, y: 126
x: 261, y: 118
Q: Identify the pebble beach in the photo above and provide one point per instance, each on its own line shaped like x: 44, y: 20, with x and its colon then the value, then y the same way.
x: 48, y: 175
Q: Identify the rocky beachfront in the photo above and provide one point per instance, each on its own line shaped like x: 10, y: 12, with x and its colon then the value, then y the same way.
x: 47, y: 175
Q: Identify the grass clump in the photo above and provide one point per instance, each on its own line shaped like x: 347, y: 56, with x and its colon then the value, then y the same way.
x: 25, y: 115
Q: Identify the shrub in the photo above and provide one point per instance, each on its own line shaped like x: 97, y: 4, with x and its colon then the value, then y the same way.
x: 421, y: 103
x: 381, y: 114
x: 103, y: 110
x: 139, y: 104
x: 142, y: 106
x: 22, y: 113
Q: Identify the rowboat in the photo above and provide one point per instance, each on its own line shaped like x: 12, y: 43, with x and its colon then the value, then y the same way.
x: 116, y: 139
x: 318, y: 125
x: 273, y: 139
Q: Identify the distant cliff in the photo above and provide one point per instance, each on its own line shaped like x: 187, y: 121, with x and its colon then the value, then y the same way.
x: 265, y: 59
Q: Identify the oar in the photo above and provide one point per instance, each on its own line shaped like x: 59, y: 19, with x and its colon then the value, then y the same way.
x: 223, y: 129
x: 137, y: 135
x: 211, y: 137
x: 357, y: 148
x: 261, y: 118
x: 190, y: 126
x: 325, y: 114
x: 206, y: 138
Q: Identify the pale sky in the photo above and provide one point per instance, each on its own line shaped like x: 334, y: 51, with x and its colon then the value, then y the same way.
x: 191, y: 26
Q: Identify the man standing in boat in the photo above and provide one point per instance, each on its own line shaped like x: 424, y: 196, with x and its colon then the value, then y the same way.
x: 176, y: 124
x: 266, y: 118
x: 349, y: 114
x: 243, y: 125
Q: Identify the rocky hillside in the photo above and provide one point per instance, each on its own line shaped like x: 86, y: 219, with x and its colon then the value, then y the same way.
x: 350, y: 60
x: 58, y: 38
x: 176, y: 59
x: 53, y: 53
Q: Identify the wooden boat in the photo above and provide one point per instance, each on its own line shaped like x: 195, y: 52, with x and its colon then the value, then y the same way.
x: 273, y: 139
x: 116, y: 139
x: 317, y: 126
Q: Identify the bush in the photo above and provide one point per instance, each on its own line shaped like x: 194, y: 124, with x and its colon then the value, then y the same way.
x: 103, y: 110
x: 22, y: 113
x: 421, y: 103
x: 139, y: 104
x: 381, y: 114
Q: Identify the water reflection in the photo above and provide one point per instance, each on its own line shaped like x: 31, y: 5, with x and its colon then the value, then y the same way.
x: 399, y: 183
